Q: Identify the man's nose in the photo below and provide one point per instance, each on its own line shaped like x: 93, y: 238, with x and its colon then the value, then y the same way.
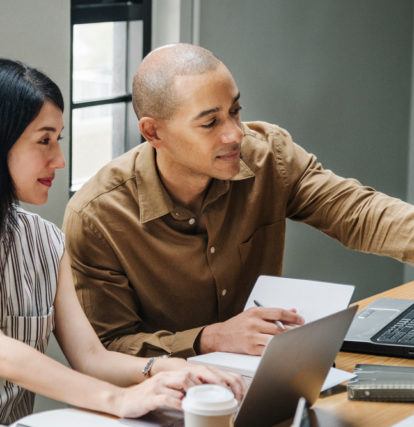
x: 232, y: 133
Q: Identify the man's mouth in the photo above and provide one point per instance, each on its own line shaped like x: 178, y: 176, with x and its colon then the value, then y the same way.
x: 233, y: 155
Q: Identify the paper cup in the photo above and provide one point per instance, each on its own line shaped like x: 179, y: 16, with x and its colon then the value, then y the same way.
x: 209, y: 405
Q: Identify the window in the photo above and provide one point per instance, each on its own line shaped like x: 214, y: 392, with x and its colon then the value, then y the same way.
x: 109, y: 39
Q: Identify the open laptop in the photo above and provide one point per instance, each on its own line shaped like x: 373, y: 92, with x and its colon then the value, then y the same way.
x: 386, y: 327
x: 294, y: 364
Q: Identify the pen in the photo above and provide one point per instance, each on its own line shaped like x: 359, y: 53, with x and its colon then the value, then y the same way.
x: 278, y: 323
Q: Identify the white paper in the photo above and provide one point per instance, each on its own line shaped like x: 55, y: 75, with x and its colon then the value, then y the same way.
x: 406, y: 422
x: 247, y: 365
x: 70, y: 417
x: 242, y: 364
x: 312, y: 299
x: 336, y: 376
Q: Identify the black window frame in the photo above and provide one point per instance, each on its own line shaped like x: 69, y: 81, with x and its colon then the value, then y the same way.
x: 97, y: 11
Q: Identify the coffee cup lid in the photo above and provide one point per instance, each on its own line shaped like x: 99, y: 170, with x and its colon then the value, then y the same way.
x: 209, y: 399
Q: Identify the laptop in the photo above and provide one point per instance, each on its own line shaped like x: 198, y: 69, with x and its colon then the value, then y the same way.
x: 385, y: 327
x: 293, y: 365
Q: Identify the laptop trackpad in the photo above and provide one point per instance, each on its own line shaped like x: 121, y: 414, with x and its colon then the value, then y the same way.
x: 371, y: 320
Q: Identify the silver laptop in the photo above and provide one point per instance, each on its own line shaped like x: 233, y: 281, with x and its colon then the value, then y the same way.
x: 294, y: 364
x: 385, y: 327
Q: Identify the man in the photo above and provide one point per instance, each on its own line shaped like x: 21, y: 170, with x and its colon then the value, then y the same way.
x: 168, y: 240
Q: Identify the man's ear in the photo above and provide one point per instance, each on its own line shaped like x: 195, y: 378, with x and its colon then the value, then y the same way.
x: 148, y: 127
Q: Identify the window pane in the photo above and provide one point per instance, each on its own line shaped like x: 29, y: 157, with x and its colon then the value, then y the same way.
x: 135, y: 51
x: 97, y: 137
x: 99, y: 60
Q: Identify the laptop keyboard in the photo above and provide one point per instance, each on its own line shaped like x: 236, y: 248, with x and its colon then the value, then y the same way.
x: 399, y: 331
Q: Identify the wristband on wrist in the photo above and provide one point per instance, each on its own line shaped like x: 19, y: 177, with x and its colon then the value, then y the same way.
x: 146, y: 371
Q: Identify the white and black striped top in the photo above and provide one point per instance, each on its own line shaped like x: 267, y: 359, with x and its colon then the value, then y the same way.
x: 30, y: 252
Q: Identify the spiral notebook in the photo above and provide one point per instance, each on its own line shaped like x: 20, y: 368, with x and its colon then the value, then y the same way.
x: 382, y: 383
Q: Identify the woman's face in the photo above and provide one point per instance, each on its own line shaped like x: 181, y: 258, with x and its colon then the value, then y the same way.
x: 36, y: 155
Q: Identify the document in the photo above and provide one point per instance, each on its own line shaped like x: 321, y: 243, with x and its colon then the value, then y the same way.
x: 70, y: 417
x: 312, y: 299
x: 246, y: 366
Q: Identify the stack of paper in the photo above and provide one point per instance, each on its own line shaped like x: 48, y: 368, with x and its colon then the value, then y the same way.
x: 246, y: 366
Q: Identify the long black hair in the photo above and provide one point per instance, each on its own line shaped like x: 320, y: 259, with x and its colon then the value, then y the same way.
x: 23, y: 91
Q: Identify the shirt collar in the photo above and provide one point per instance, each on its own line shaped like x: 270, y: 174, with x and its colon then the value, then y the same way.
x: 154, y: 201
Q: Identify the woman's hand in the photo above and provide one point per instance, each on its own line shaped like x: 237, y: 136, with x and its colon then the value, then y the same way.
x: 167, y: 389
x: 204, y: 374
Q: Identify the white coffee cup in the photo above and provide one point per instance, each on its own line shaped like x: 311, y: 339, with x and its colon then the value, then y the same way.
x: 209, y: 405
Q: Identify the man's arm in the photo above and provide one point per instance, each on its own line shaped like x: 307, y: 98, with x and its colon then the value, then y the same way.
x: 113, y: 308
x: 109, y: 300
x: 358, y: 216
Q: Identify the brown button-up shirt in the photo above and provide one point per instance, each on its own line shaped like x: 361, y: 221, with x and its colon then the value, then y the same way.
x: 148, y: 274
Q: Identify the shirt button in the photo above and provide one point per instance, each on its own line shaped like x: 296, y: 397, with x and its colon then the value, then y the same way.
x: 224, y: 292
x: 212, y: 249
x: 191, y: 221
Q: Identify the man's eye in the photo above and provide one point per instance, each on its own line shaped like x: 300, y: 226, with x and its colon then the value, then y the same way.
x: 235, y: 111
x: 210, y: 124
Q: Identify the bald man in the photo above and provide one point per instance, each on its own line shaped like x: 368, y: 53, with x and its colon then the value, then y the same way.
x: 168, y: 240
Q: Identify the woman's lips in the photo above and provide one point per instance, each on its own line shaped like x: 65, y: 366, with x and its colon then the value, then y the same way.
x: 46, y: 181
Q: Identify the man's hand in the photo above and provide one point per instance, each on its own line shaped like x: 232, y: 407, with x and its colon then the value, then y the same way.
x: 248, y: 332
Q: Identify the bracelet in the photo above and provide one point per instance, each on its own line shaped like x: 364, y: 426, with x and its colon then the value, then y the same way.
x: 146, y: 371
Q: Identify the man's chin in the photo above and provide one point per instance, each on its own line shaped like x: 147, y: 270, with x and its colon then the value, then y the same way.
x: 228, y: 174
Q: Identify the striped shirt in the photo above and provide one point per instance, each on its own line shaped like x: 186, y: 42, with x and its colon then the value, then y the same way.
x: 30, y: 252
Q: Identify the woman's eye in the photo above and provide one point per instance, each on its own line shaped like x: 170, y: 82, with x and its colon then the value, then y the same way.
x: 44, y: 141
x: 210, y: 124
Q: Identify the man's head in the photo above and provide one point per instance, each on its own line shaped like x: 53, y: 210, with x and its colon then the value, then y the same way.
x: 153, y: 93
x: 188, y: 107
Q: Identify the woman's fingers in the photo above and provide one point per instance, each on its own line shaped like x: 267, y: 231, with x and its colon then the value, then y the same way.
x: 167, y: 401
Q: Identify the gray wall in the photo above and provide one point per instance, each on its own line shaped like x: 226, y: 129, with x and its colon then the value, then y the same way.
x: 409, y: 270
x: 39, y: 33
x: 337, y: 75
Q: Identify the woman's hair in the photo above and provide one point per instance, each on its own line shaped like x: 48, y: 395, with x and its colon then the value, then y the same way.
x: 23, y: 91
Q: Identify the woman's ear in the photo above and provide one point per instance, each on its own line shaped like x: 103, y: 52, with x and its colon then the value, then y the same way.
x: 148, y: 128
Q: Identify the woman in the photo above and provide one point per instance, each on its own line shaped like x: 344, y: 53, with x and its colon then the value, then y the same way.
x: 36, y: 289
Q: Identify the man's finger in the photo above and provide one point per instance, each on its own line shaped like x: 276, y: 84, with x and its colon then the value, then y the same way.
x: 288, y: 316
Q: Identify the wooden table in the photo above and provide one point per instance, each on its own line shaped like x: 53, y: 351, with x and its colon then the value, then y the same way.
x: 337, y: 410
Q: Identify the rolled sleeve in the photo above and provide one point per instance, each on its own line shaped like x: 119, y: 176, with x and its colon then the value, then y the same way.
x: 358, y: 216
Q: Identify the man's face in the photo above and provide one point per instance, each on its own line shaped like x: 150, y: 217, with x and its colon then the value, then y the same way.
x: 203, y: 136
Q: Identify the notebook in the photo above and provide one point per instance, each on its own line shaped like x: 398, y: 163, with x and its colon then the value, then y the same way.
x: 311, y: 298
x: 382, y: 383
x: 384, y: 327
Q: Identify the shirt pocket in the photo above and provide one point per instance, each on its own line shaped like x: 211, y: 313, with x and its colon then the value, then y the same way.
x: 32, y: 330
x: 262, y: 253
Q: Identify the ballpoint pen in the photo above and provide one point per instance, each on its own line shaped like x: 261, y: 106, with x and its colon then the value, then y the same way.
x: 278, y: 323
